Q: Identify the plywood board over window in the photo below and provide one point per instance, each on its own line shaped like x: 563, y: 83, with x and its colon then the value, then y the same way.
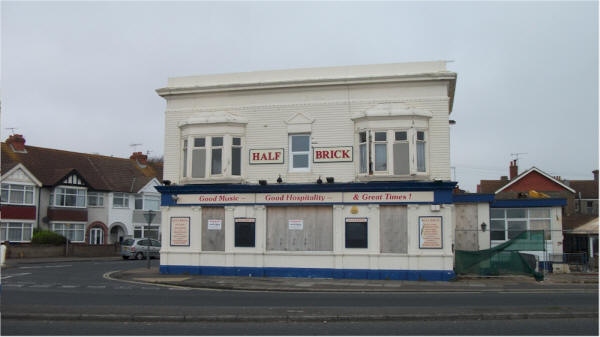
x: 213, y: 239
x: 315, y: 234
x: 393, y: 229
x: 466, y: 227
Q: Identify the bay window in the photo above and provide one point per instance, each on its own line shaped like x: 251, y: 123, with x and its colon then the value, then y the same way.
x: 17, y: 194
x: 211, y: 157
x: 147, y: 202
x: 15, y: 231
x: 69, y: 197
x: 392, y: 152
x: 74, y: 232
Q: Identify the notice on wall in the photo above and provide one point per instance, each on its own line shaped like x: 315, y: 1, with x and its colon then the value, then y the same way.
x: 214, y: 224
x: 180, y: 231
x: 332, y: 154
x: 296, y: 225
x: 430, y: 232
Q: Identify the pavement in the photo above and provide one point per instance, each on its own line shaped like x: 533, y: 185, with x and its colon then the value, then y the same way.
x: 512, y: 283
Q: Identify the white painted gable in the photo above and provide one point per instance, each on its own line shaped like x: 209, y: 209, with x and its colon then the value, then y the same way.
x: 149, y: 188
x: 19, y: 174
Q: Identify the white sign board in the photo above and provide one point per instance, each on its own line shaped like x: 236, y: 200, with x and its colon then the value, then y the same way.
x: 180, y: 231
x: 208, y: 199
x: 332, y: 154
x: 266, y: 156
x: 214, y: 224
x: 430, y: 232
x: 295, y: 225
x: 384, y: 197
x: 298, y: 198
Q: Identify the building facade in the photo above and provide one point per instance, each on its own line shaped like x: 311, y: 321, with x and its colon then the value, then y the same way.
x: 326, y: 172
x: 90, y: 199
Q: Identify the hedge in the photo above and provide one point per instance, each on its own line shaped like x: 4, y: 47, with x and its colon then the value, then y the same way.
x: 48, y: 237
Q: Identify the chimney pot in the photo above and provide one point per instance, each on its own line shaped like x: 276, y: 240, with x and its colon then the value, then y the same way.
x: 140, y: 158
x: 513, y: 169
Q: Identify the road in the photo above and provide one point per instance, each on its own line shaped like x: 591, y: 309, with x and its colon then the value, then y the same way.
x: 79, y: 287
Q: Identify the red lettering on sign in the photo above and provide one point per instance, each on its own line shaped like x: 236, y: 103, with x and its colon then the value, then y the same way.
x: 277, y: 155
x: 346, y: 154
x: 256, y: 156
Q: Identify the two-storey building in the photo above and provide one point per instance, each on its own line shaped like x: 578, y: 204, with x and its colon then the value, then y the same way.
x: 87, y: 198
x: 329, y: 172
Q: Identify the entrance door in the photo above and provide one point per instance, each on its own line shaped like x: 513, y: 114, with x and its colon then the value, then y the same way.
x: 96, y: 236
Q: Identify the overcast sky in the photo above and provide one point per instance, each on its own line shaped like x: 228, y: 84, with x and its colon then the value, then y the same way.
x: 81, y: 76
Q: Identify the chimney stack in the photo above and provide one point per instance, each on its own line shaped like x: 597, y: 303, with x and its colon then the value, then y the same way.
x: 140, y: 158
x: 17, y: 142
x: 513, y: 169
x: 595, y: 172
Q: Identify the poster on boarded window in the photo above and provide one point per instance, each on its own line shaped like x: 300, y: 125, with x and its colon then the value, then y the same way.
x: 214, y: 224
x: 180, y: 231
x: 430, y: 232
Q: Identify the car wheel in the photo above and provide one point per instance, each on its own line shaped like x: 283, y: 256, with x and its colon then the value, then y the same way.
x: 139, y: 256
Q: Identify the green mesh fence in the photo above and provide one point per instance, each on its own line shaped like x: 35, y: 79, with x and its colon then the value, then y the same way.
x: 502, y: 259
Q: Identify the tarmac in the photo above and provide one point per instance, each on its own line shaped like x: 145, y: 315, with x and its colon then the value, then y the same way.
x: 511, y: 283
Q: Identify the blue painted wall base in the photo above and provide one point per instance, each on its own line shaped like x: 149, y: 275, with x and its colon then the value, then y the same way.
x: 368, y: 274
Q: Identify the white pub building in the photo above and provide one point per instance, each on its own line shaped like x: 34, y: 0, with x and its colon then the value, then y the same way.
x: 340, y: 172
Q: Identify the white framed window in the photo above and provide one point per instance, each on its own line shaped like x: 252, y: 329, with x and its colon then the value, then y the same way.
x: 152, y: 232
x: 147, y: 202
x: 185, y: 155
x: 75, y: 232
x: 199, y: 157
x: 70, y: 197
x: 120, y: 200
x: 399, y: 152
x: 216, y: 156
x: 16, y: 194
x: 95, y: 199
x: 299, y: 152
x: 16, y: 231
x: 236, y: 156
x: 508, y: 223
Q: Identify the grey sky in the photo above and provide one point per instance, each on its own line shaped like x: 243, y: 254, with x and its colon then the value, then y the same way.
x: 81, y: 76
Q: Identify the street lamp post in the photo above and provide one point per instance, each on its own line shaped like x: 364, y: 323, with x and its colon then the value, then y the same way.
x: 149, y: 217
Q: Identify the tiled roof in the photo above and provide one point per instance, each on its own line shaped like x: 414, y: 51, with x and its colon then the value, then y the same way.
x: 588, y: 188
x: 575, y: 220
x: 491, y: 186
x: 102, y: 173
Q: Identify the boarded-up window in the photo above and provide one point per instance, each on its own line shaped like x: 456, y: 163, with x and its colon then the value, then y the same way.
x: 393, y: 229
x: 302, y: 228
x: 356, y: 233
x: 213, y: 229
x: 466, y: 232
x: 245, y: 232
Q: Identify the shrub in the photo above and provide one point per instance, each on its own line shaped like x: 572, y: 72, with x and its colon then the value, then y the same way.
x: 48, y: 237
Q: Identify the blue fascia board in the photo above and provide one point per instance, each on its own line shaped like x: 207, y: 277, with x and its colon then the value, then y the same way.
x: 366, y: 274
x: 380, y: 186
x: 473, y: 198
x: 514, y: 203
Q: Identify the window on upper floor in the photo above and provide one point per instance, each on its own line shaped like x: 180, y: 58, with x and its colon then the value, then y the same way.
x: 120, y: 200
x: 95, y: 199
x: 68, y: 197
x: 392, y: 152
x: 299, y: 152
x: 147, y: 202
x: 17, y: 194
x: 212, y: 157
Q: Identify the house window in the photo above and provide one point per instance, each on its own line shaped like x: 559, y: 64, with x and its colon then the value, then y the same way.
x: 380, y: 151
x: 151, y: 232
x: 245, y: 232
x: 17, y: 194
x: 69, y: 197
x: 216, y: 167
x: 15, y: 231
x: 236, y: 156
x: 408, y: 155
x: 95, y: 199
x: 401, y: 153
x: 184, y: 163
x: 147, y: 202
x: 73, y: 232
x: 509, y: 223
x: 120, y: 200
x: 199, y: 158
x: 363, y: 152
x: 356, y: 233
x: 299, y: 152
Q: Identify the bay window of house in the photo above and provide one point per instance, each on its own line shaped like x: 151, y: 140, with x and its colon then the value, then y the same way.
x: 147, y: 202
x: 145, y: 231
x: 69, y: 197
x: 508, y: 223
x: 75, y: 232
x: 17, y: 194
x: 16, y: 231
x: 299, y: 152
x: 212, y: 156
x: 392, y: 152
x: 95, y: 199
x: 120, y: 200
